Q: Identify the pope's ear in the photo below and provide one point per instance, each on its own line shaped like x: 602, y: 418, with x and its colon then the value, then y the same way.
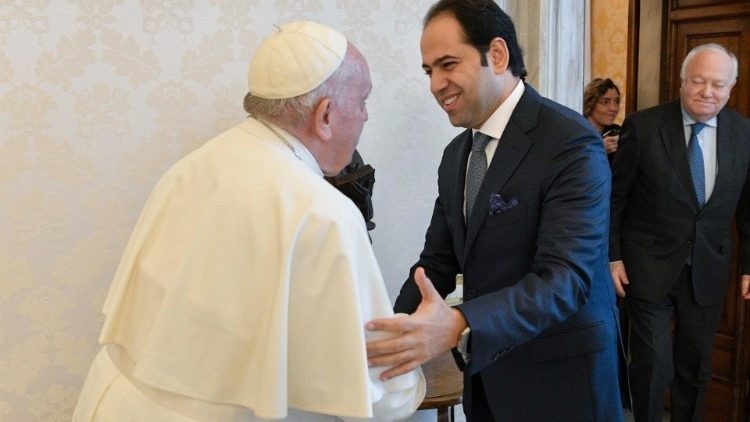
x: 498, y: 54
x: 322, y: 123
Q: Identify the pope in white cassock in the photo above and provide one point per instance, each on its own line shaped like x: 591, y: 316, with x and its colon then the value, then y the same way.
x: 244, y: 289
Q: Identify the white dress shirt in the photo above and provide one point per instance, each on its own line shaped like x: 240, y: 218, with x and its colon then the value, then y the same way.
x: 495, y: 125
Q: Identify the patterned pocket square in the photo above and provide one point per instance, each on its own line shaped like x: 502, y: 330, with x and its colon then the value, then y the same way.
x: 498, y: 204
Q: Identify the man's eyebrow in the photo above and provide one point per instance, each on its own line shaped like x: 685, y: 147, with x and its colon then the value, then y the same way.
x: 438, y: 61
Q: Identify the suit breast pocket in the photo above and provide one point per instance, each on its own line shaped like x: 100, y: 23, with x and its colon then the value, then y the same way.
x: 506, y: 217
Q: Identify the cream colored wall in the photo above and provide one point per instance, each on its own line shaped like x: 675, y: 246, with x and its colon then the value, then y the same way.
x: 609, y: 43
x: 99, y: 97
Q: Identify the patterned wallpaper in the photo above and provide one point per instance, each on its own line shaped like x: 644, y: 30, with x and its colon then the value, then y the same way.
x: 99, y: 97
x: 609, y: 43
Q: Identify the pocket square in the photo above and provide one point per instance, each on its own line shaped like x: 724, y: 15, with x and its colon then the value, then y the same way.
x: 498, y: 204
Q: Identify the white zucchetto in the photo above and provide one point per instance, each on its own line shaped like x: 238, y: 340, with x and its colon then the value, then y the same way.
x: 298, y: 58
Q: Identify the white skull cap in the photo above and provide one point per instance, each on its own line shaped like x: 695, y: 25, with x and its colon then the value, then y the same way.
x: 296, y: 59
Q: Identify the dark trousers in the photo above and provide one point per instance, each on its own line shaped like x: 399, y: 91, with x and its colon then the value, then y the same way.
x: 656, y: 359
x: 480, y: 409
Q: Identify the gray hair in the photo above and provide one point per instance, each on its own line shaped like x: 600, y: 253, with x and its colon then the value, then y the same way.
x: 714, y: 47
x: 296, y: 110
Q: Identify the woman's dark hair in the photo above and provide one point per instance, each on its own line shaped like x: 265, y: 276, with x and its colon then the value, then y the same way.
x: 482, y: 21
x: 594, y: 91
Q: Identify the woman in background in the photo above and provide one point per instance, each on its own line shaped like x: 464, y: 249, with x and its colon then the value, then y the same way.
x: 601, y: 104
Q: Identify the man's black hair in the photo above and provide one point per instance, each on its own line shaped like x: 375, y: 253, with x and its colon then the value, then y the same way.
x: 482, y: 21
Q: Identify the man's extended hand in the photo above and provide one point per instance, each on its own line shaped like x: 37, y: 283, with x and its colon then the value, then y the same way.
x: 619, y: 277
x: 433, y: 329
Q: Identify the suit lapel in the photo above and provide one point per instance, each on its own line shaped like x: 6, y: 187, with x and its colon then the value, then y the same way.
x: 724, y: 157
x: 457, y: 207
x: 673, y: 137
x: 512, y: 147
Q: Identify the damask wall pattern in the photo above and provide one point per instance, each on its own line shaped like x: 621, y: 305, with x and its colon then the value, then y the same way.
x: 609, y: 43
x: 99, y: 97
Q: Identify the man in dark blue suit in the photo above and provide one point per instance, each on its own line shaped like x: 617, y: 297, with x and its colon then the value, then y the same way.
x: 679, y: 176
x: 537, y: 334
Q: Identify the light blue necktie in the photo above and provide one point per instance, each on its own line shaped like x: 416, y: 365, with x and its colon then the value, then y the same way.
x: 695, y: 159
x: 477, y: 169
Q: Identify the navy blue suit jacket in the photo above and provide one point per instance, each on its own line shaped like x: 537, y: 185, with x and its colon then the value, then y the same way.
x: 537, y: 291
x: 657, y: 225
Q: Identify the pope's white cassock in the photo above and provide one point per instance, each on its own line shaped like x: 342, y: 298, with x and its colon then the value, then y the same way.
x: 242, y: 296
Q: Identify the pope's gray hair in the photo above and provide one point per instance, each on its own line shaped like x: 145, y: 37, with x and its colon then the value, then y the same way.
x: 714, y: 47
x: 296, y: 110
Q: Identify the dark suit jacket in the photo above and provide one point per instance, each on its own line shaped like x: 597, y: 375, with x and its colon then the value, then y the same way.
x: 656, y: 224
x: 537, y: 292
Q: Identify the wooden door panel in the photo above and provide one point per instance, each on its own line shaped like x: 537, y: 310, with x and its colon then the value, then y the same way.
x: 679, y: 4
x: 731, y: 33
x: 688, y: 24
x: 719, y: 403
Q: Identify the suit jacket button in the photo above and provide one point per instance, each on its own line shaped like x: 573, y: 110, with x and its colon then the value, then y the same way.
x: 496, y: 356
x: 470, y: 293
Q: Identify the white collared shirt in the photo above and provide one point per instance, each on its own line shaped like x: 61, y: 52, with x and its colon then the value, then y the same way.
x: 707, y: 141
x: 495, y: 125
